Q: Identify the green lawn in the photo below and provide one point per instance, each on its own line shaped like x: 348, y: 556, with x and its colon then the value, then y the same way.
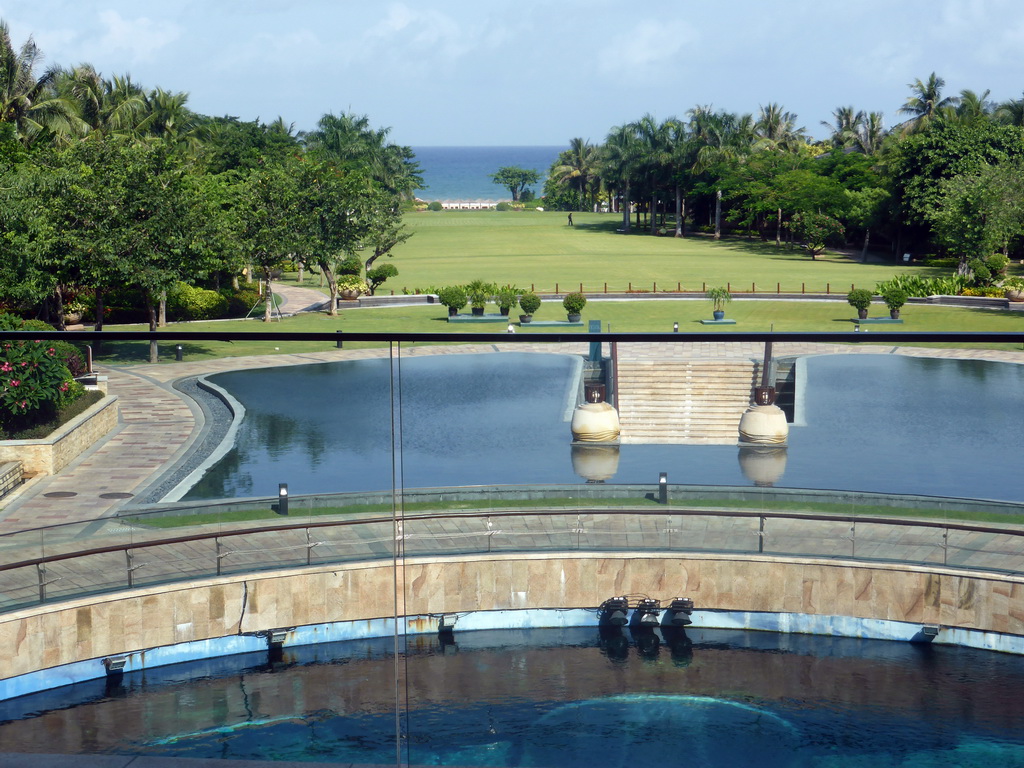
x: 538, y: 249
x: 640, y: 315
x: 531, y: 248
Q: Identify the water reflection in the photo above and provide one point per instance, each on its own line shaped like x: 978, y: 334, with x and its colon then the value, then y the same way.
x: 881, y: 423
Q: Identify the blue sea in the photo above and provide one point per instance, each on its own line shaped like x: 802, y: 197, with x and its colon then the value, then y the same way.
x: 464, y: 173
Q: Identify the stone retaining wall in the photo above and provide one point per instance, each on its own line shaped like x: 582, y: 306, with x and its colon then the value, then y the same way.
x: 50, y: 455
x: 90, y: 628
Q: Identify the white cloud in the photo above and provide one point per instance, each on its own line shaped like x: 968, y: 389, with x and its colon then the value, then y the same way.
x: 141, y: 38
x: 648, y: 44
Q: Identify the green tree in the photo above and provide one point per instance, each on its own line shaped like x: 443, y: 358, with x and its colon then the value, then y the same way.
x: 576, y: 169
x: 816, y: 231
x: 981, y: 213
x: 515, y: 179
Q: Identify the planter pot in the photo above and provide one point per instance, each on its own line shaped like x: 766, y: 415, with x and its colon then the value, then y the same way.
x: 452, y: 311
x: 72, y: 318
x: 862, y: 314
x: 894, y: 314
x: 504, y: 311
x: 524, y: 319
x: 574, y: 318
x: 478, y: 311
x: 350, y: 294
x: 1014, y: 294
x: 718, y: 314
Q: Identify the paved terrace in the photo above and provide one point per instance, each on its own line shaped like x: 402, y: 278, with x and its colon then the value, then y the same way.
x: 159, y: 425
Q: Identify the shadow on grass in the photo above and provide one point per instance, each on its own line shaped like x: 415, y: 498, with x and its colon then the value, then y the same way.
x: 132, y: 352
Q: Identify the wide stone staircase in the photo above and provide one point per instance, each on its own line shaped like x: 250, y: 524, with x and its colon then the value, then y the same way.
x: 695, y: 402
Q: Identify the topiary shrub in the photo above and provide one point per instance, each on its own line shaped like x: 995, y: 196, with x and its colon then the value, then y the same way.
x: 378, y: 275
x: 453, y: 297
x: 529, y: 303
x: 435, y: 206
x: 503, y: 206
x: 860, y: 299
x: 186, y: 302
x: 574, y: 303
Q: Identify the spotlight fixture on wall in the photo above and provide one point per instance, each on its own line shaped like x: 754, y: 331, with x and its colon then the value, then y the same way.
x: 115, y: 664
x: 613, y: 612
x: 678, y: 612
x: 276, y: 637
x: 446, y: 624
x: 646, y: 613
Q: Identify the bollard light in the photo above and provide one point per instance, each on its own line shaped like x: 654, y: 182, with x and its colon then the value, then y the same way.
x: 663, y: 488
x: 282, y: 499
x: 675, y: 327
x: 178, y: 353
x: 340, y: 342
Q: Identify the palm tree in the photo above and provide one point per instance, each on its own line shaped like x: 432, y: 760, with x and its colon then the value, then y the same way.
x: 720, y: 137
x: 777, y: 128
x: 617, y: 158
x: 972, y: 107
x: 925, y: 103
x: 1011, y: 112
x: 103, y: 107
x: 653, y: 157
x: 870, y: 133
x: 577, y: 168
x: 28, y: 100
x: 845, y: 126
x: 350, y: 142
x: 166, y: 117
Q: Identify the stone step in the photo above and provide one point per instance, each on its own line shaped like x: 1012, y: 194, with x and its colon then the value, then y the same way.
x: 684, y: 401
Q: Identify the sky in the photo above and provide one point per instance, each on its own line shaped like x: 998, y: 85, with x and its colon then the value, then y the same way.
x: 532, y: 72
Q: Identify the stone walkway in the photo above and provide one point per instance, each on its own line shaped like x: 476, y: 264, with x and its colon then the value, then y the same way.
x: 158, y: 425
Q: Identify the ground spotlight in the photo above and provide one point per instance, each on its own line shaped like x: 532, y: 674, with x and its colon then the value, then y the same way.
x: 678, y: 612
x: 646, y: 613
x: 614, y: 612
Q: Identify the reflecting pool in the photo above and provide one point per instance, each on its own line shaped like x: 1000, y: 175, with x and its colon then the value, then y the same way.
x: 884, y: 423
x: 558, y: 698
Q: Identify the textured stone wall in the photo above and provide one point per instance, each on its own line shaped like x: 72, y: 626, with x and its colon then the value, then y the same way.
x: 50, y: 456
x: 94, y: 627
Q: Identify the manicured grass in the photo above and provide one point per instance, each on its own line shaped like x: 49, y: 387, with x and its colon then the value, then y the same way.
x: 384, y: 510
x: 646, y: 315
x: 538, y: 249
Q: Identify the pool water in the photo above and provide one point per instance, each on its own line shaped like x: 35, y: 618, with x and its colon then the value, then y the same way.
x: 882, y: 423
x: 564, y: 698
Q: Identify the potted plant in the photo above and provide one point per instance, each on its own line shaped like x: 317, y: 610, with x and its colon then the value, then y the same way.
x: 506, y: 298
x: 1013, y: 287
x: 478, y: 292
x: 719, y: 296
x: 453, y: 297
x: 860, y: 299
x: 351, y: 286
x: 574, y: 303
x: 894, y: 299
x: 529, y: 303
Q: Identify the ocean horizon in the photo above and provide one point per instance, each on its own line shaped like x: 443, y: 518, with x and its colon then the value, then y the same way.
x: 464, y: 173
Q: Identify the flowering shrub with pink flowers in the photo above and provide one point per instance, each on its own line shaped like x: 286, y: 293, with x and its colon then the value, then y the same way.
x: 34, y: 384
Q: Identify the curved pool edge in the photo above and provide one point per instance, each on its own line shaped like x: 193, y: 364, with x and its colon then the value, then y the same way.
x: 537, y: 618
